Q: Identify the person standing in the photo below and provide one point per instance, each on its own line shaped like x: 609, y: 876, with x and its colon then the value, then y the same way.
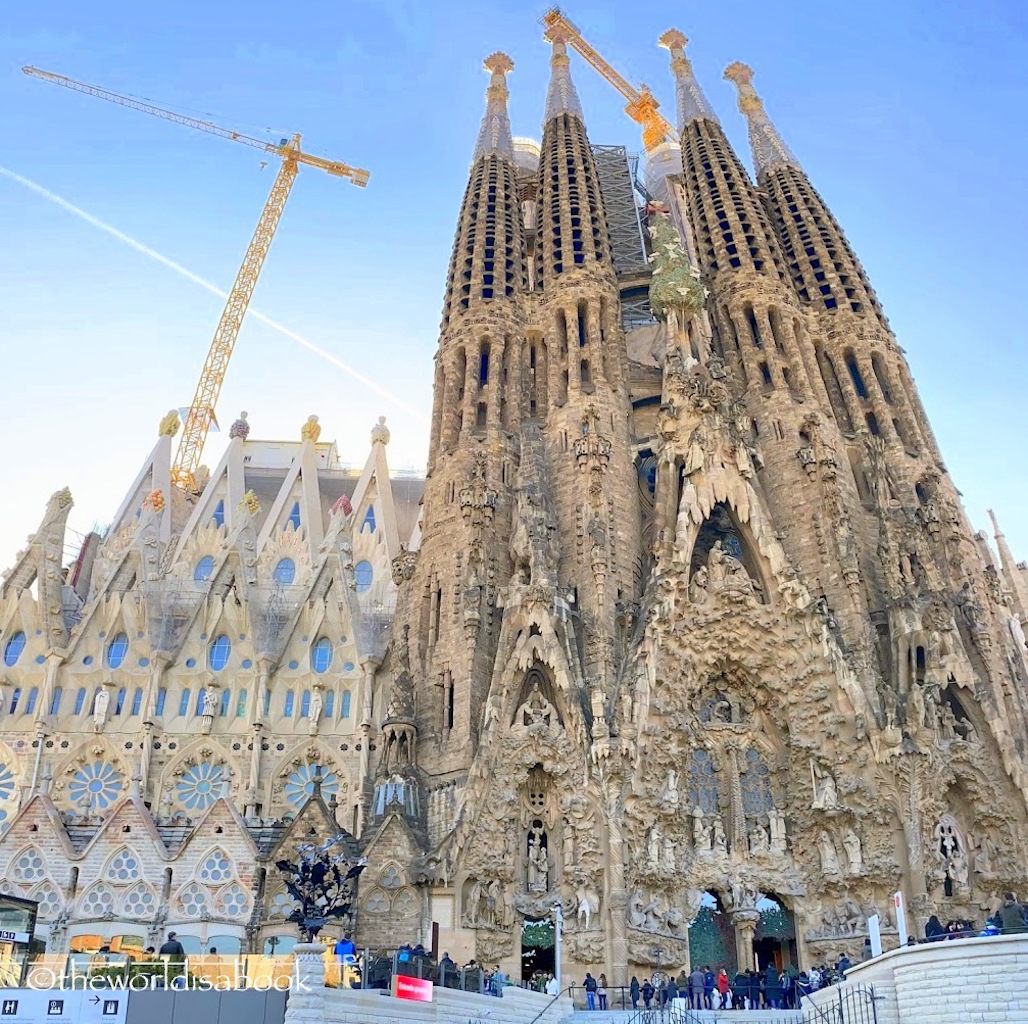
x: 696, y: 989
x: 723, y: 985
x: 590, y: 991
x: 601, y: 991
x: 552, y: 988
x: 1011, y: 915
x: 647, y: 993
x: 633, y: 991
x: 709, y: 984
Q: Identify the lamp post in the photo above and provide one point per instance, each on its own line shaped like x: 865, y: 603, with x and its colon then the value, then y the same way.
x: 558, y: 920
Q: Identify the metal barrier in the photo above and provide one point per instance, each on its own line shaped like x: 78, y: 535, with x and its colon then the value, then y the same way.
x: 853, y: 1004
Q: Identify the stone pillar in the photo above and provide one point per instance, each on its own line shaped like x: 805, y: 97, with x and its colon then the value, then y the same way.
x: 307, y: 998
x: 745, y: 922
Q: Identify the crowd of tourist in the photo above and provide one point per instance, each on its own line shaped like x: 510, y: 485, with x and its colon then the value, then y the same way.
x: 707, y: 989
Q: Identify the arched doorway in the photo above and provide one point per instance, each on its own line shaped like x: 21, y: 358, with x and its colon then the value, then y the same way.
x: 538, y: 953
x: 712, y: 937
x: 774, y: 941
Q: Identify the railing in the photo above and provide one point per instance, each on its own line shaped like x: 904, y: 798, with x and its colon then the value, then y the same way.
x: 853, y: 1004
x: 540, y: 1014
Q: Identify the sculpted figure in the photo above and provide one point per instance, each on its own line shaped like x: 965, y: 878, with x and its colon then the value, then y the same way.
x: 851, y: 843
x: 210, y: 703
x: 669, y: 795
x: 698, y: 586
x: 471, y: 908
x: 826, y: 795
x: 719, y: 842
x: 776, y: 821
x: 538, y: 866
x: 829, y: 855
x: 636, y: 916
x: 668, y: 858
x: 759, y: 839
x: 317, y: 706
x: 311, y: 430
x: 100, y: 705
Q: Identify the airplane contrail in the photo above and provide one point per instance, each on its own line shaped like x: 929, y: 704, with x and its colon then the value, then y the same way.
x: 213, y: 289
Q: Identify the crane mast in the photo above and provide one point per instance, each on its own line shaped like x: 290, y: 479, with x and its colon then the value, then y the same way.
x: 201, y: 411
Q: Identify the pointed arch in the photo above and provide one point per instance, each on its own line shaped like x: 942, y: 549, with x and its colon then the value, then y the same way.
x: 123, y: 867
x: 97, y: 901
x: 139, y: 901
x: 723, y: 531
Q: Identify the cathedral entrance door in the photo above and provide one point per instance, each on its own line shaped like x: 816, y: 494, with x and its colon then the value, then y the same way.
x: 712, y: 937
x: 537, y: 948
x: 774, y: 941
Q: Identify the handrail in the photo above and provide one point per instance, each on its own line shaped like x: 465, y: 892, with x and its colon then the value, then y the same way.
x: 565, y: 991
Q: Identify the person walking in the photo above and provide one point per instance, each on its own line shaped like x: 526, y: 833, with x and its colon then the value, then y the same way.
x: 723, y: 987
x: 1011, y: 915
x: 647, y: 993
x: 601, y: 991
x: 772, y: 988
x: 590, y: 991
x: 633, y: 991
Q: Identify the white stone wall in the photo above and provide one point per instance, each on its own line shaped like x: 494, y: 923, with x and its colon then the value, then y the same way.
x: 962, y: 982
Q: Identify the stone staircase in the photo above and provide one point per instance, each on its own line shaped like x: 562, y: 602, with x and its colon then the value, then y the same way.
x: 690, y: 1017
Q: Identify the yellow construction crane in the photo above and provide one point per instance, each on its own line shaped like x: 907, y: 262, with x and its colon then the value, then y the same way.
x: 642, y: 104
x: 201, y: 411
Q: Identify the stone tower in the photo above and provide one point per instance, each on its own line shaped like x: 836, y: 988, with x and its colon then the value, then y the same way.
x: 725, y: 708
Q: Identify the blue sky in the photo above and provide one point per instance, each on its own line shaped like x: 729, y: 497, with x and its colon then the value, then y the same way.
x: 908, y: 116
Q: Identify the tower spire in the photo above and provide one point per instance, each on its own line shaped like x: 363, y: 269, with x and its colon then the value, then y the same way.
x: 768, y: 149
x: 561, y: 96
x: 692, y: 104
x: 494, y: 136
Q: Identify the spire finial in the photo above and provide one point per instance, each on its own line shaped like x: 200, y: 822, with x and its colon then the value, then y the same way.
x: 494, y: 137
x: 561, y: 97
x: 768, y: 149
x: 692, y: 104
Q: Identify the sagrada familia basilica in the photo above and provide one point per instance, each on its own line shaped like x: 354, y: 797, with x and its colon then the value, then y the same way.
x: 685, y: 631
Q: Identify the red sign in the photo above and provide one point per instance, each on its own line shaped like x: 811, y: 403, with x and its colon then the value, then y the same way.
x: 418, y: 989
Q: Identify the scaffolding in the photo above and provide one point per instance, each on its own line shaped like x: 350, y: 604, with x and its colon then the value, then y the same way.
x: 627, y: 238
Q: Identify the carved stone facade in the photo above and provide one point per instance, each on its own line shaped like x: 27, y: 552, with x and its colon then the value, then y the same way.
x: 701, y: 650
x: 741, y: 661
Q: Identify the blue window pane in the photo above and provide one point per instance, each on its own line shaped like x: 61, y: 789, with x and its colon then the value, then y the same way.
x: 183, y: 704
x: 220, y: 650
x: 305, y: 704
x: 15, y: 697
x: 30, y: 704
x: 80, y: 700
x: 344, y: 712
x: 13, y: 648
x: 162, y: 696
x: 137, y: 701
x: 363, y: 574
x: 330, y: 703
x: 55, y: 703
x: 204, y: 569
x: 226, y: 702
x: 369, y: 520
x: 321, y: 655
x: 267, y: 702
x: 119, y: 702
x: 201, y: 696
x: 294, y: 515
x: 219, y: 514
x: 241, y: 704
x: 285, y: 571
x: 288, y: 711
x: 116, y: 651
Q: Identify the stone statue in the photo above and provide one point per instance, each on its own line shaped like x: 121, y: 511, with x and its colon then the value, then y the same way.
x: 958, y: 866
x: 826, y: 795
x: 169, y: 425
x: 851, y: 843
x: 760, y: 842
x: 472, y: 905
x: 698, y: 586
x: 719, y: 843
x: 829, y: 856
x: 636, y: 917
x: 985, y: 857
x: 538, y: 864
x: 317, y: 706
x: 240, y: 428
x: 700, y: 831
x: 311, y: 430
x: 653, y: 849
x: 668, y: 858
x: 210, y: 703
x: 101, y: 703
x: 717, y: 570
x: 776, y: 822
x: 588, y: 904
x: 669, y: 796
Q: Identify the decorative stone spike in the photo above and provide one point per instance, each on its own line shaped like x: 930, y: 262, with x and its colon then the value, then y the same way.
x: 768, y: 149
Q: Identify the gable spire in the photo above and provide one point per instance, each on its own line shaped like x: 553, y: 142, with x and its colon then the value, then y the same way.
x: 561, y: 96
x: 691, y: 103
x: 494, y: 137
x: 768, y: 149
